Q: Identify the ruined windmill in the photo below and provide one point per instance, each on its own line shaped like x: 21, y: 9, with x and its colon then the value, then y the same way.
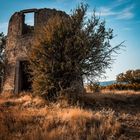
x: 21, y: 36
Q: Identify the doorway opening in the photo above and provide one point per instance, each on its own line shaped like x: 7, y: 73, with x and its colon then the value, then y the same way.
x: 23, y: 77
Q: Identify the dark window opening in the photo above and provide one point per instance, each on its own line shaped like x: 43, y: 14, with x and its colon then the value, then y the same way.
x: 28, y: 23
x: 25, y: 83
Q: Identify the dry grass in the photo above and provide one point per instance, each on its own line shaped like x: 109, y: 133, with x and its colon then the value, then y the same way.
x: 32, y: 118
x: 105, y: 116
x: 124, y: 92
x: 125, y: 104
x: 114, y: 98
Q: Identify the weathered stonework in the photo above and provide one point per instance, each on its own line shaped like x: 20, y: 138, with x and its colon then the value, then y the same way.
x: 19, y: 38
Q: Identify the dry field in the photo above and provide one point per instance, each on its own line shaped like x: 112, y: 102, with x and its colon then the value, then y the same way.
x: 102, y: 116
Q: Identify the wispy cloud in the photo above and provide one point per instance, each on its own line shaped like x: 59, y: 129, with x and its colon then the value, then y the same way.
x: 126, y: 13
x: 123, y: 13
x: 105, y: 11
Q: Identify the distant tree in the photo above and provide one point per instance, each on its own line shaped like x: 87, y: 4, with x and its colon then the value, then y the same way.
x: 2, y: 55
x: 120, y: 77
x: 130, y: 76
x: 70, y: 48
x: 136, y: 76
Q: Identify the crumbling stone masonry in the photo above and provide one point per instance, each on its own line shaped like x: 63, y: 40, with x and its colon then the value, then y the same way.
x: 20, y: 37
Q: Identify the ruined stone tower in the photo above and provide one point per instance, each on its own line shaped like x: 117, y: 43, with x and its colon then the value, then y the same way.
x: 21, y: 36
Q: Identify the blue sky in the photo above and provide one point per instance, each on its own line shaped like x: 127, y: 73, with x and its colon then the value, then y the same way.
x: 121, y: 15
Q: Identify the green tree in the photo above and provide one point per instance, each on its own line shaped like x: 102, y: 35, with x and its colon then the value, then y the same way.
x: 136, y: 76
x: 130, y: 76
x: 120, y: 77
x: 70, y: 48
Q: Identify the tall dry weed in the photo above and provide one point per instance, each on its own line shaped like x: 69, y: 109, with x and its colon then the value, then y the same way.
x: 30, y: 118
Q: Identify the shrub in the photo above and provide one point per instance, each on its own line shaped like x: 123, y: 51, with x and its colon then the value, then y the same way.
x: 69, y: 48
x: 94, y: 87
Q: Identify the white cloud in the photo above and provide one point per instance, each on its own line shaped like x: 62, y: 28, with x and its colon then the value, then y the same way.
x: 125, y: 13
x: 105, y: 11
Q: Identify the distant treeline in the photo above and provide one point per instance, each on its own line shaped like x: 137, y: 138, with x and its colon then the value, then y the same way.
x: 129, y: 80
x: 119, y: 86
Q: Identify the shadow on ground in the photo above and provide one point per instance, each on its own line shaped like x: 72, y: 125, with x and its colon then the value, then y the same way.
x: 117, y: 102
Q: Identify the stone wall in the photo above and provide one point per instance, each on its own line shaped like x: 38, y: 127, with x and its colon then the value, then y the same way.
x: 20, y: 37
x: 17, y: 43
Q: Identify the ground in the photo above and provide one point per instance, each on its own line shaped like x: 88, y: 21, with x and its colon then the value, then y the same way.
x: 97, y: 116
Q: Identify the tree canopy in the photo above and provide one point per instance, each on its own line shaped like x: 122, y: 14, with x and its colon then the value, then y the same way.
x: 130, y: 76
x: 69, y: 48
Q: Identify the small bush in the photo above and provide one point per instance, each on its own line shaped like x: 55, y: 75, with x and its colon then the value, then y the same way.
x: 94, y: 87
x: 31, y: 119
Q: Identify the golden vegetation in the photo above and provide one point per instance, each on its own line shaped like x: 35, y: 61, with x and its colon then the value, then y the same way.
x: 103, y: 116
x: 124, y: 92
x: 28, y: 117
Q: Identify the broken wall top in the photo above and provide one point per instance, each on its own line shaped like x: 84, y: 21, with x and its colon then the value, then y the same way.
x: 17, y: 26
